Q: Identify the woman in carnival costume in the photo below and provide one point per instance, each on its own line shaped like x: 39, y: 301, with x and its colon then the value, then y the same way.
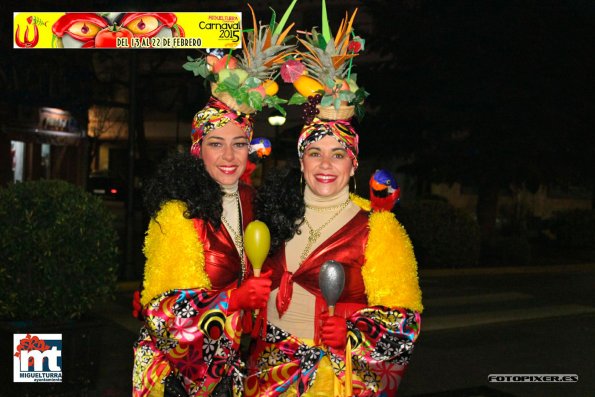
x: 364, y: 348
x: 197, y: 280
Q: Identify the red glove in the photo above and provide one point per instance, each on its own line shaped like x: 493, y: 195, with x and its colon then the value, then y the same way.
x: 137, y: 308
x: 252, y: 294
x: 334, y: 331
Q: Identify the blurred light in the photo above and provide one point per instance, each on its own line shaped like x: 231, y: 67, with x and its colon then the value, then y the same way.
x: 276, y: 120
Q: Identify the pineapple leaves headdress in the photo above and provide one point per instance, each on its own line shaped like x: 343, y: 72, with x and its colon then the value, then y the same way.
x: 326, y: 77
x: 247, y: 83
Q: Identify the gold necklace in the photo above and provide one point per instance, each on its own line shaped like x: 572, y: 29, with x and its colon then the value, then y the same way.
x: 237, y: 237
x: 234, y: 194
x: 325, y: 209
x: 314, y: 234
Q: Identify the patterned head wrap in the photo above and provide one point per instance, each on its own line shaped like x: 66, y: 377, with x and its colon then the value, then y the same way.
x: 341, y: 130
x: 215, y: 115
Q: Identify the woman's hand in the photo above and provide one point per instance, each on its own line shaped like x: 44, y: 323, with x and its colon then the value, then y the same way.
x: 334, y: 331
x: 251, y: 295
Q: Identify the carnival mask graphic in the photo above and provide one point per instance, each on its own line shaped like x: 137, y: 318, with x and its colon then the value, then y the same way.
x: 101, y: 30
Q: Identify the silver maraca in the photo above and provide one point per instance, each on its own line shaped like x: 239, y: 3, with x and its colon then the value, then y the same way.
x: 331, y: 281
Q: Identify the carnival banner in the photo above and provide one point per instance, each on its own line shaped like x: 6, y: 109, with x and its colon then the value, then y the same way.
x: 127, y: 30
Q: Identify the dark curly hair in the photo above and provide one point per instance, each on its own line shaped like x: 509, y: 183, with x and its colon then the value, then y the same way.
x: 280, y: 204
x: 184, y: 177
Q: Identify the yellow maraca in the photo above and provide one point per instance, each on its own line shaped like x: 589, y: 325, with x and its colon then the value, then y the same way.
x: 257, y: 242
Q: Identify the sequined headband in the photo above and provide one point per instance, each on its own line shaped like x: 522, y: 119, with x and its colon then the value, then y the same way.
x: 215, y: 115
x: 341, y: 130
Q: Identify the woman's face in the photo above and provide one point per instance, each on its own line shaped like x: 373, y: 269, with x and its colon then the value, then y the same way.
x: 224, y: 152
x: 326, y: 166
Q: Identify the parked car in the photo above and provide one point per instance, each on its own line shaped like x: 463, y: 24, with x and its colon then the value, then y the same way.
x: 106, y: 185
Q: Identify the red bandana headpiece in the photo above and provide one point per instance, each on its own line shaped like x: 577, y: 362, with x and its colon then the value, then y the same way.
x: 341, y: 130
x: 217, y: 114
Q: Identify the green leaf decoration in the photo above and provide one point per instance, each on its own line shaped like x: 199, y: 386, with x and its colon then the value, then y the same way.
x: 280, y: 109
x: 346, y: 95
x: 326, y: 30
x: 283, y: 21
x: 255, y: 100
x: 233, y: 81
x: 297, y: 99
x: 203, y: 70
x: 360, y: 95
x: 189, y: 66
x: 321, y: 42
x: 198, y: 68
x: 252, y: 82
x: 337, y: 103
x: 273, y: 21
x: 274, y: 99
x: 359, y: 111
x: 330, y: 82
x: 326, y: 100
x: 275, y: 102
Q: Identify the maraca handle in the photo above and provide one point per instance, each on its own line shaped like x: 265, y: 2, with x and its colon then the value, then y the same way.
x: 331, y: 310
x: 256, y: 274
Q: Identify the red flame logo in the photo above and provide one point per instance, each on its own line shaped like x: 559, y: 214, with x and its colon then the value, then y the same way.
x: 26, y: 43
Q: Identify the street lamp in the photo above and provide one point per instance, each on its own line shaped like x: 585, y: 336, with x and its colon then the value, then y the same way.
x: 276, y: 120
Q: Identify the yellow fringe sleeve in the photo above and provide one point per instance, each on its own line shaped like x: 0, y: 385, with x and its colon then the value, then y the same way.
x: 175, y: 256
x: 390, y: 270
x: 361, y: 202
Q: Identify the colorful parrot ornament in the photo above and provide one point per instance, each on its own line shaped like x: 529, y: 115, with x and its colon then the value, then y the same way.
x: 384, y: 191
x: 260, y: 148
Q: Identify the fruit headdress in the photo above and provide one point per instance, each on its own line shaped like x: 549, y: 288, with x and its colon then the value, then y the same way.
x: 323, y: 74
x: 325, y: 84
x: 246, y: 83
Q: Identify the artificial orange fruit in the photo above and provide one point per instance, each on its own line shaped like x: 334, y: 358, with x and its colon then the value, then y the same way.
x: 270, y: 87
x: 307, y: 86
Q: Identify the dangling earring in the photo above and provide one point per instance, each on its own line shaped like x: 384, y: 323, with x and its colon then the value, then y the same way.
x: 354, y: 184
x: 302, y: 185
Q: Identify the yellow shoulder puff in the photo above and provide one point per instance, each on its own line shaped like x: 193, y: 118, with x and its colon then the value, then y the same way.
x: 390, y: 271
x: 175, y: 257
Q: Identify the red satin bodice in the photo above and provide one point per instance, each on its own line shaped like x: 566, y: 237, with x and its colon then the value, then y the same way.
x: 222, y: 261
x: 345, y: 246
